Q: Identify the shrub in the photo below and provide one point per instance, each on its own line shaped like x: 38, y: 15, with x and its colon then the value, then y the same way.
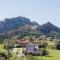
x: 3, y: 54
x: 58, y: 45
x: 43, y: 45
x: 6, y: 47
x: 45, y: 52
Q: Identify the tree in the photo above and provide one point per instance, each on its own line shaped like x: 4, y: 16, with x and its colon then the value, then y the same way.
x: 58, y: 45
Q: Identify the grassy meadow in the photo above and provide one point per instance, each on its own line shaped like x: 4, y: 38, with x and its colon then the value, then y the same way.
x: 53, y: 54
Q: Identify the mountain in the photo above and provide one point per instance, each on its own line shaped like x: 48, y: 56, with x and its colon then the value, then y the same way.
x: 49, y: 29
x: 14, y: 23
x: 23, y: 26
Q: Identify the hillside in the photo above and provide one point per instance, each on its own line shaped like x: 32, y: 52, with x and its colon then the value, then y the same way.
x: 23, y: 26
x: 49, y: 29
x: 14, y: 23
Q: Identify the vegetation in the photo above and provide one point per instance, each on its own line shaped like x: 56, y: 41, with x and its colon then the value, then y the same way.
x: 22, y: 26
x: 46, y: 36
x: 57, y: 45
x: 53, y: 55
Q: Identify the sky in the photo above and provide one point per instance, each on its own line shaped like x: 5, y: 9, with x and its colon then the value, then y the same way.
x: 40, y: 11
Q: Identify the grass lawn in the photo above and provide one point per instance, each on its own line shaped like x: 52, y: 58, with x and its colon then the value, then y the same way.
x: 15, y: 57
x: 53, y: 55
x: 2, y: 48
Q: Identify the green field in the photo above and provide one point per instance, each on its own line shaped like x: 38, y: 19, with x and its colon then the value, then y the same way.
x: 53, y: 55
x: 2, y: 48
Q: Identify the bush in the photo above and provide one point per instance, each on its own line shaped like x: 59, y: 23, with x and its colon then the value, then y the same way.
x: 33, y: 54
x: 3, y: 54
x: 43, y: 45
x: 44, y: 53
x: 6, y: 47
x: 58, y: 46
x: 1, y: 42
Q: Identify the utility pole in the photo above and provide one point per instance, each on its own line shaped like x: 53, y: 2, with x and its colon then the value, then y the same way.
x: 41, y: 56
x: 41, y: 53
x: 8, y: 44
x: 8, y: 50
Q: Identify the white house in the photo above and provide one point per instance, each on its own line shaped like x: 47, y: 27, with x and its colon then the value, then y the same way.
x: 32, y: 48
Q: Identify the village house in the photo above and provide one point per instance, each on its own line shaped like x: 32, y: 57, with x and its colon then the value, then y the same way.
x: 32, y: 48
x: 23, y: 43
x: 49, y: 38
